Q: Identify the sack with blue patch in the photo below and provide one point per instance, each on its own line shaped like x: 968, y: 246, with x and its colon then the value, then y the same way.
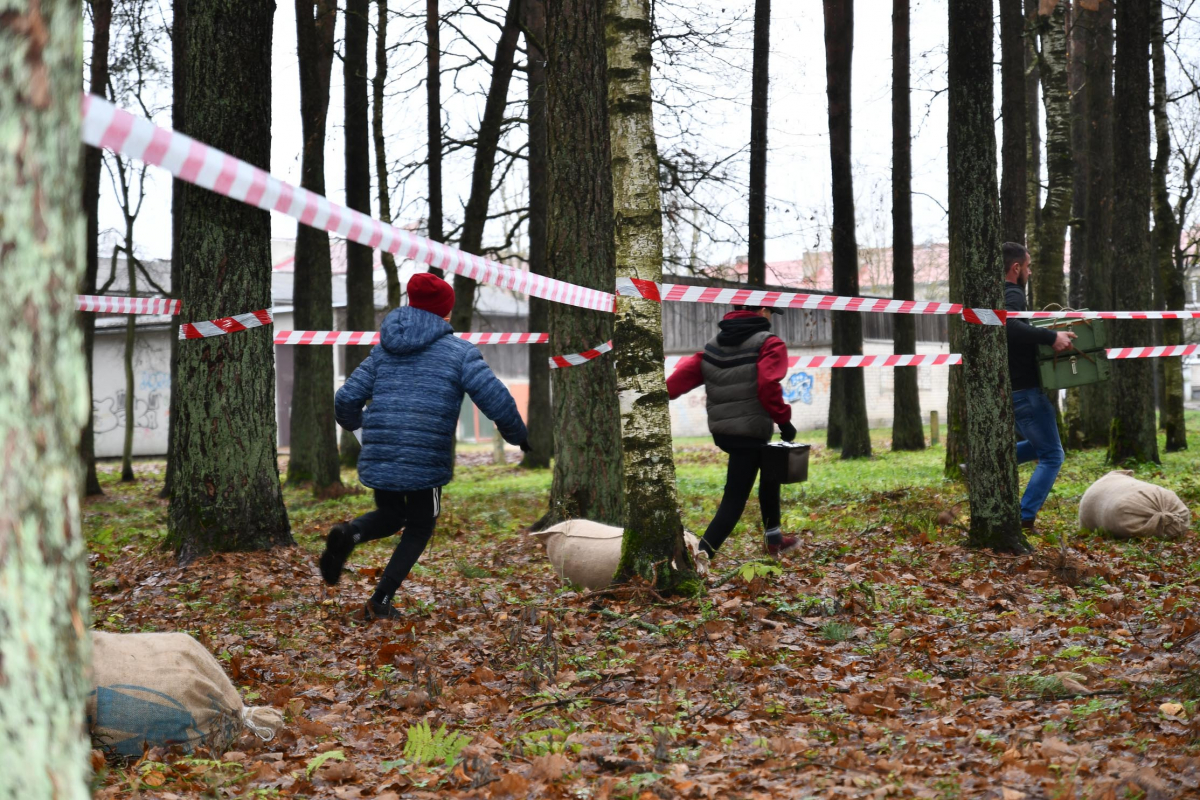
x: 165, y: 690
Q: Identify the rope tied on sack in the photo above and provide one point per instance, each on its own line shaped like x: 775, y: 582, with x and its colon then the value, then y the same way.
x: 263, y: 721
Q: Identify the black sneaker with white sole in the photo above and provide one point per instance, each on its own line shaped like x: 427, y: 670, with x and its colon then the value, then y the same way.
x: 338, y: 546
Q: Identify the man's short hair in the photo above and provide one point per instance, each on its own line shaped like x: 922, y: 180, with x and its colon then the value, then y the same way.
x: 1014, y: 253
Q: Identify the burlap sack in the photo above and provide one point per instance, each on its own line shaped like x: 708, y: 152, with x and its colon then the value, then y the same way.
x: 165, y: 689
x: 1127, y: 508
x: 587, y: 553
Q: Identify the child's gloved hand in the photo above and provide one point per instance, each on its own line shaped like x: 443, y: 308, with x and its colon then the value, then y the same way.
x: 524, y: 445
x: 787, y: 431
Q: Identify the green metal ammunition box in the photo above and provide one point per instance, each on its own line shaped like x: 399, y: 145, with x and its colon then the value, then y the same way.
x: 1085, y: 364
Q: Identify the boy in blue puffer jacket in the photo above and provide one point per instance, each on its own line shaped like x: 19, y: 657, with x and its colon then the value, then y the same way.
x: 415, y: 379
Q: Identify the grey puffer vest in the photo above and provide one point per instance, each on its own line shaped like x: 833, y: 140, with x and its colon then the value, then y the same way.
x: 731, y: 382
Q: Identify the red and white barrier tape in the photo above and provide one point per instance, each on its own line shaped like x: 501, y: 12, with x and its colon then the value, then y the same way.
x: 575, y: 359
x: 372, y: 337
x: 112, y: 304
x: 758, y: 297
x: 1154, y: 352
x: 220, y: 327
x: 1104, y: 314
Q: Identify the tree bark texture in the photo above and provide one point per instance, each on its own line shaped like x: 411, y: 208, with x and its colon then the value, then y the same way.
x: 1132, y: 437
x: 360, y: 287
x: 44, y: 645
x: 130, y: 341
x: 849, y: 416
x: 539, y: 414
x: 1095, y: 401
x: 92, y: 163
x: 908, y: 430
x: 179, y: 123
x: 486, y: 141
x: 1012, y: 111
x: 1033, y: 131
x: 433, y: 99
x: 1048, y: 273
x: 587, y: 478
x: 378, y: 83
x: 225, y: 492
x: 314, y: 446
x: 975, y: 244
x: 653, y: 546
x: 1077, y: 43
x: 760, y: 78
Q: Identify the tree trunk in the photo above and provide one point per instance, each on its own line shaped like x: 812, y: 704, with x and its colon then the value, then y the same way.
x: 539, y: 415
x: 378, y: 82
x: 92, y: 163
x: 486, y: 142
x: 756, y: 269
x: 179, y: 123
x: 44, y: 646
x: 1165, y: 243
x: 433, y: 98
x: 1033, y: 131
x: 1013, y: 181
x: 1080, y: 31
x: 851, y: 414
x: 314, y: 446
x: 360, y: 288
x: 1095, y: 401
x: 130, y: 341
x: 975, y: 244
x: 1047, y: 280
x: 653, y: 546
x: 225, y: 494
x: 587, y: 478
x: 908, y: 430
x: 1132, y: 437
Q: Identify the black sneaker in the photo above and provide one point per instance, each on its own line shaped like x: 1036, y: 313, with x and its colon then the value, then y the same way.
x: 338, y: 546
x: 373, y: 611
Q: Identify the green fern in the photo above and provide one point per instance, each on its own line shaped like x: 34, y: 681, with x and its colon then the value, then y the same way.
x: 427, y: 746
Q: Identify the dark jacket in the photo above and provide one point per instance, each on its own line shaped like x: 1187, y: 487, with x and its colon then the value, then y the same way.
x: 1023, y: 340
x: 741, y: 369
x: 415, y: 379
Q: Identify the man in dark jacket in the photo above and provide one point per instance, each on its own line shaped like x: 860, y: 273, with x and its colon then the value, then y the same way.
x: 1037, y: 427
x: 741, y: 369
x: 415, y: 379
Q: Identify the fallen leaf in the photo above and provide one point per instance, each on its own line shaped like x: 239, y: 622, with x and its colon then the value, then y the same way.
x: 548, y: 768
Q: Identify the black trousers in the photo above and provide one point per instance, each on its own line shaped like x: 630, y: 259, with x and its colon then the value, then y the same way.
x: 414, y: 512
x: 744, y: 465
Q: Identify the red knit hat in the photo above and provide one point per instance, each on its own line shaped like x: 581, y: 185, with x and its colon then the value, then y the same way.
x: 430, y: 293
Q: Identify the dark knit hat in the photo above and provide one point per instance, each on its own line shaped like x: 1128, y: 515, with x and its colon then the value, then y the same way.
x: 430, y: 293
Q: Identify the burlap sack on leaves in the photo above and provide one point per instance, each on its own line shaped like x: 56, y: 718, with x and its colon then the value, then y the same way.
x: 587, y: 553
x: 1122, y: 506
x: 162, y: 690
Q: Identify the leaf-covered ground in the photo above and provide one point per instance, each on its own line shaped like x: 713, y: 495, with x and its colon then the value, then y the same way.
x: 882, y: 659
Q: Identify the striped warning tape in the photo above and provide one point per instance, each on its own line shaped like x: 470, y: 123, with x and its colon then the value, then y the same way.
x: 575, y: 359
x: 1154, y: 352
x: 113, y: 304
x: 220, y: 327
x: 372, y: 337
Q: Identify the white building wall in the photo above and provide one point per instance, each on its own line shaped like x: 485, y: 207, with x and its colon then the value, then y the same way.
x: 151, y: 391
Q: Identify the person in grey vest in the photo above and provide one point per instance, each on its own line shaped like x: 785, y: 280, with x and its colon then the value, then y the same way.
x: 741, y: 369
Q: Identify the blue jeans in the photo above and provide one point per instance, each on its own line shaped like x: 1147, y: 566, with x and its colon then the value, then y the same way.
x: 1037, y: 429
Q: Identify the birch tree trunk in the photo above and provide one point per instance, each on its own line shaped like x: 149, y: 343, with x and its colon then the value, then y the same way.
x: 653, y: 540
x: 1012, y: 111
x: 975, y: 244
x: 1165, y: 245
x: 225, y: 492
x: 433, y: 121
x: 587, y: 478
x: 1132, y: 437
x: 1048, y: 270
x: 378, y: 82
x: 539, y: 415
x: 908, y: 430
x: 486, y: 142
x: 756, y: 268
x: 1033, y: 131
x: 44, y: 646
x: 314, y: 446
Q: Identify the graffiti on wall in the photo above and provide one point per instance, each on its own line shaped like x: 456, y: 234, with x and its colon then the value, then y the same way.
x: 798, y: 388
x: 108, y: 413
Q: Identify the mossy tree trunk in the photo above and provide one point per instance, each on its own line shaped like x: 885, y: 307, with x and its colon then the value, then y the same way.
x: 178, y: 187
x: 433, y: 119
x: 539, y: 415
x: 1012, y: 111
x: 653, y: 546
x: 1166, y: 247
x: 1048, y: 284
x: 1132, y: 436
x: 908, y: 430
x: 378, y: 82
x: 975, y: 244
x: 760, y: 79
x: 849, y: 414
x: 1095, y: 401
x: 360, y: 285
x: 314, y: 447
x: 487, y: 139
x: 225, y: 492
x: 587, y: 478
x: 1077, y: 43
x: 44, y: 646
x: 92, y: 162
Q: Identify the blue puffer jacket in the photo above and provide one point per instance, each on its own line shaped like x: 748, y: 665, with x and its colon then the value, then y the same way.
x: 415, y: 380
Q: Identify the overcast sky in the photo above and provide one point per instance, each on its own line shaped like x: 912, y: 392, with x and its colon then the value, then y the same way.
x: 798, y: 169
